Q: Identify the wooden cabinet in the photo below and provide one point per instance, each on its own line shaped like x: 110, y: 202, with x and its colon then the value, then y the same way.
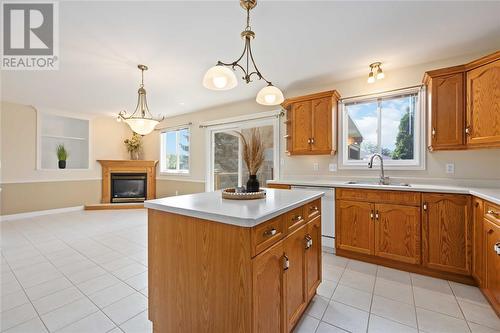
x: 268, y: 290
x: 492, y: 263
x: 312, y: 124
x: 446, y: 104
x: 483, y: 105
x: 446, y: 232
x: 313, y: 256
x: 477, y: 241
x: 294, y: 276
x: 397, y: 232
x: 463, y: 105
x: 354, y: 226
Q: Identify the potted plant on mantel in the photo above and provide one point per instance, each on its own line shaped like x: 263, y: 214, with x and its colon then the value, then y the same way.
x: 253, y: 155
x: 134, y: 145
x: 62, y: 156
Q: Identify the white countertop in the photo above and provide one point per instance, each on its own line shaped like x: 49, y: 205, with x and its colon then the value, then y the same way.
x: 489, y: 194
x: 243, y: 213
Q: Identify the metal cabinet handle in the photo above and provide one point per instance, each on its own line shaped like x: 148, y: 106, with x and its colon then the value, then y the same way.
x: 309, y: 141
x: 270, y: 232
x: 433, y: 132
x: 376, y: 215
x: 286, y: 262
x: 296, y: 218
x: 467, y: 130
x: 492, y: 212
x: 314, y: 208
x: 371, y: 214
x: 312, y: 140
x: 425, y: 206
x: 496, y: 248
x: 309, y: 241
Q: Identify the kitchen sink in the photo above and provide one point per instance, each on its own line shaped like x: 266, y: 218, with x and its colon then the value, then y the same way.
x: 375, y: 183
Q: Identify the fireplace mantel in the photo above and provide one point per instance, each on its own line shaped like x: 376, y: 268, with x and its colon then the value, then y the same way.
x: 127, y: 166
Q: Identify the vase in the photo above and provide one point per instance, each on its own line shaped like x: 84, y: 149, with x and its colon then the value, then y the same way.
x: 253, y: 184
x: 62, y: 164
x: 134, y: 155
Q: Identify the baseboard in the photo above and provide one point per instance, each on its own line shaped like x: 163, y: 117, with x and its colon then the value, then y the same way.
x: 19, y: 216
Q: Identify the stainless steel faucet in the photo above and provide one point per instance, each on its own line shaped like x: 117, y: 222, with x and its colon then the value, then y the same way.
x: 383, y: 180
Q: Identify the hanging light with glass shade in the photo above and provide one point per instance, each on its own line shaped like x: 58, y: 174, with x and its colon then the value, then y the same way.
x: 222, y: 77
x: 376, y: 72
x: 141, y: 121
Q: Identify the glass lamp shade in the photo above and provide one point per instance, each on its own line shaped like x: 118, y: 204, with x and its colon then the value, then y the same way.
x: 219, y: 78
x: 371, y: 78
x: 142, y: 126
x: 380, y: 74
x: 270, y: 95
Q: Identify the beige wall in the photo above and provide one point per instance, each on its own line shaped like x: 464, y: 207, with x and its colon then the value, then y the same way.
x: 24, y: 188
x: 471, y: 167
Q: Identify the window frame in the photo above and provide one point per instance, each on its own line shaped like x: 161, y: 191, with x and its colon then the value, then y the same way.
x: 418, y: 163
x: 163, y: 138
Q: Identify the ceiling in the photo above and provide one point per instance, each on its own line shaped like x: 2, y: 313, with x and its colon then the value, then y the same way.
x: 101, y: 44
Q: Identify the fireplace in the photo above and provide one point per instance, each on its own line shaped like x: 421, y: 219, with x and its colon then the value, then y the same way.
x: 128, y: 187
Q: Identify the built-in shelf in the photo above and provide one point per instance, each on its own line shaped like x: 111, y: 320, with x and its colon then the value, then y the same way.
x: 72, y: 132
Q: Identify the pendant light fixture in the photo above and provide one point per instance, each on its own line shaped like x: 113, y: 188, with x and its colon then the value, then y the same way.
x: 221, y: 77
x: 376, y: 72
x: 141, y: 121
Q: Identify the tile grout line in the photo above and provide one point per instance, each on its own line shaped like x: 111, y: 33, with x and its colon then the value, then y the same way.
x: 373, y: 296
x: 459, y: 306
x: 414, y: 303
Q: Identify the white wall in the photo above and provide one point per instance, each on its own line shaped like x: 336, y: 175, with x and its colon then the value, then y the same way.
x: 471, y: 166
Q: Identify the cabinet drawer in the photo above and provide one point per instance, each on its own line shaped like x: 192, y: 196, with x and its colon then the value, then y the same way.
x: 492, y: 212
x: 379, y: 196
x: 313, y: 209
x: 266, y: 234
x: 294, y: 219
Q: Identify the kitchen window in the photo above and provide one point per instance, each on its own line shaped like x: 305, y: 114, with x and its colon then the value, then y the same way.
x: 389, y: 124
x: 175, y: 150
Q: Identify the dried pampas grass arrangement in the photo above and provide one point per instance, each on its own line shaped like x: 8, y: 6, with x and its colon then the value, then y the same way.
x: 253, y: 150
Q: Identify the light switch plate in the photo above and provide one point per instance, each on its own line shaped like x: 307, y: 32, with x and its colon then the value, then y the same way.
x: 332, y: 167
x: 450, y: 168
x: 315, y: 166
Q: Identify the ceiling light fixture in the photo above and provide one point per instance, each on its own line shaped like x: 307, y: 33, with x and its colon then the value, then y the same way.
x: 220, y: 77
x: 376, y: 72
x: 141, y: 121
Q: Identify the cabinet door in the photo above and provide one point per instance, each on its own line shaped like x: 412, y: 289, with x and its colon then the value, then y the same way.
x: 492, y: 242
x: 301, y: 127
x: 294, y: 277
x: 268, y: 268
x: 322, y: 126
x: 397, y: 232
x: 313, y: 256
x: 448, y: 112
x: 483, y: 105
x: 446, y: 232
x: 354, y: 226
x: 477, y: 241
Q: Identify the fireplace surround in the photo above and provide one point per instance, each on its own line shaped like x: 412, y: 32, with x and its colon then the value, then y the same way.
x: 134, y: 179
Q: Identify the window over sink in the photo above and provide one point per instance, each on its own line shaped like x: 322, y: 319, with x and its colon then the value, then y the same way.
x: 390, y: 124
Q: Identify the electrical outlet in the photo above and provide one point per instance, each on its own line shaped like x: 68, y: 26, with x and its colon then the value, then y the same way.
x: 450, y: 167
x: 332, y: 167
x: 315, y: 166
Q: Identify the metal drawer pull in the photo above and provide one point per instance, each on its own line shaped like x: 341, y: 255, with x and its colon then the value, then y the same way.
x: 496, y: 248
x: 309, y: 242
x: 492, y: 212
x: 270, y: 232
x: 371, y: 214
x: 286, y: 262
x: 314, y: 208
x: 376, y: 215
x: 296, y: 218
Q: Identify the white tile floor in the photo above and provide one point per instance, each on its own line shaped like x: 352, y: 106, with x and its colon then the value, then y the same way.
x: 86, y: 272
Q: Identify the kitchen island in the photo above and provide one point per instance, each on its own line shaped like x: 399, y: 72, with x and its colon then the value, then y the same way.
x: 218, y: 265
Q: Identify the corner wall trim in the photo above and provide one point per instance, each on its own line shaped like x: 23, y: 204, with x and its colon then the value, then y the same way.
x: 12, y: 217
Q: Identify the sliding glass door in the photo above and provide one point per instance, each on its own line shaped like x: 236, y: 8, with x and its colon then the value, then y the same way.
x: 226, y: 167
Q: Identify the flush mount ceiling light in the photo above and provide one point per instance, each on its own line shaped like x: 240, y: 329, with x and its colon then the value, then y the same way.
x: 141, y: 121
x: 221, y: 77
x: 376, y: 72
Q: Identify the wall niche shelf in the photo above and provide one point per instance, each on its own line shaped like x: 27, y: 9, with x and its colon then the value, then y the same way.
x: 73, y: 132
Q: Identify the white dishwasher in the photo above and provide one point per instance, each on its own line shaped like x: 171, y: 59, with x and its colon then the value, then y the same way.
x: 327, y: 214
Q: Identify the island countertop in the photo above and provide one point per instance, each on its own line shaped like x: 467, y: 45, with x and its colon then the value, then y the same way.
x: 243, y: 213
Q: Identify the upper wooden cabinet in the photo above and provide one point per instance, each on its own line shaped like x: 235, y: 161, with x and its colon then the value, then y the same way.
x: 463, y: 105
x: 483, y: 105
x: 312, y: 123
x: 446, y: 232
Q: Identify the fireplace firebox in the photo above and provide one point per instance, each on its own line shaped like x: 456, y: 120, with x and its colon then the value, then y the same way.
x: 128, y: 187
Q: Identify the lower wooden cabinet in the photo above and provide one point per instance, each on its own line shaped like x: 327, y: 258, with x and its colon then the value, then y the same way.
x: 478, y: 241
x: 492, y: 262
x: 397, y: 232
x: 313, y: 256
x: 354, y: 226
x: 446, y: 232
